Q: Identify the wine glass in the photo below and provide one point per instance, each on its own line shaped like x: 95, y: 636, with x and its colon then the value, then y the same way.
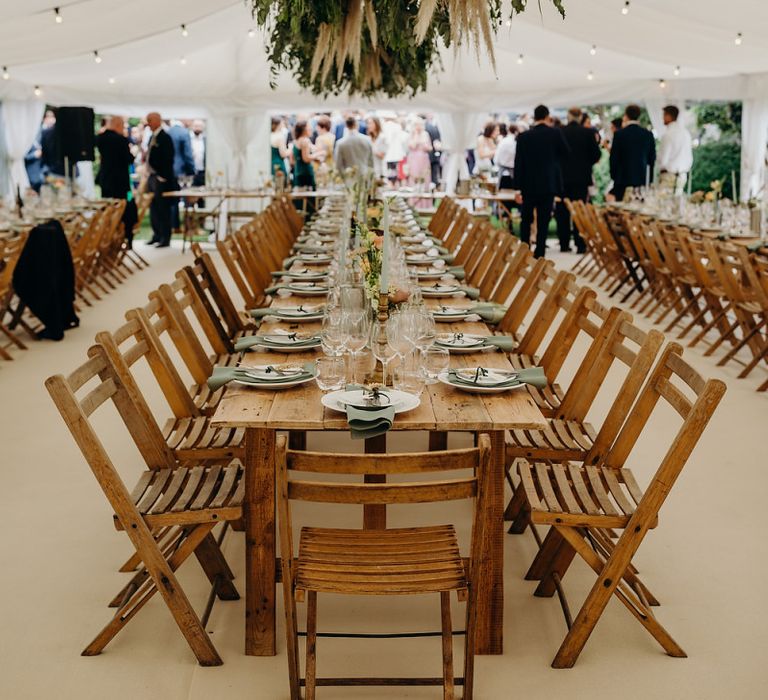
x: 356, y: 331
x: 396, y: 333
x: 382, y: 349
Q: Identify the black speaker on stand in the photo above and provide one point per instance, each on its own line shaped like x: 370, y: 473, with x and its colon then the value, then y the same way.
x: 74, y: 133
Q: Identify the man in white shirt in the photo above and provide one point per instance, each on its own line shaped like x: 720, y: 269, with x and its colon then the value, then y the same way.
x: 197, y: 136
x: 505, y: 161
x: 675, y: 152
x: 397, y: 146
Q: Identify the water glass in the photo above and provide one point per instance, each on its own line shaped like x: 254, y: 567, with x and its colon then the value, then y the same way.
x: 435, y: 361
x: 331, y: 373
x: 409, y: 377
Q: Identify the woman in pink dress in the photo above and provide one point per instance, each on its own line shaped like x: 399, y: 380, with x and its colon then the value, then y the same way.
x: 419, y: 169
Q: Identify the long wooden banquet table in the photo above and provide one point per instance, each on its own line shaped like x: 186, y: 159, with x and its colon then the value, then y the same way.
x: 263, y: 412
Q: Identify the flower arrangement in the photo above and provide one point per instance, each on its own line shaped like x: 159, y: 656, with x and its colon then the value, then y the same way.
x: 368, y: 255
x: 370, y: 47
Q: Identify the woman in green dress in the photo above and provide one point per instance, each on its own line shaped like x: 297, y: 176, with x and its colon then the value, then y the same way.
x: 302, y: 157
x: 279, y: 149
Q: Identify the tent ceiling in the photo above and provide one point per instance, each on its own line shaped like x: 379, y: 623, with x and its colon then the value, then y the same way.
x: 141, y: 46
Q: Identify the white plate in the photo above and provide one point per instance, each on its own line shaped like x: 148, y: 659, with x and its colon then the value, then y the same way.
x: 259, y: 370
x: 315, y: 258
x: 307, y: 290
x: 478, y: 388
x: 455, y: 340
x: 432, y: 273
x: 305, y: 274
x: 464, y: 346
x: 338, y: 400
x: 441, y: 290
x: 421, y: 259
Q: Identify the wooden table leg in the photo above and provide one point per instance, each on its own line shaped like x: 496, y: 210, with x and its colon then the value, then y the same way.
x: 375, y: 517
x: 490, y: 602
x: 259, y: 515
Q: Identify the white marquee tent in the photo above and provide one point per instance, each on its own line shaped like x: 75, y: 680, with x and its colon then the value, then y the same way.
x: 224, y: 75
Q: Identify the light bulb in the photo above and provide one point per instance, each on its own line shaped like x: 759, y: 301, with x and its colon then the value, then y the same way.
x: 676, y: 71
x: 6, y: 74
x: 520, y: 59
x: 111, y: 81
x: 739, y: 38
x: 96, y: 57
x: 662, y: 83
x: 38, y: 91
x: 251, y: 33
x: 625, y: 9
x: 183, y: 61
x: 57, y: 16
x: 509, y: 22
x: 590, y: 75
x: 184, y: 31
x: 593, y: 50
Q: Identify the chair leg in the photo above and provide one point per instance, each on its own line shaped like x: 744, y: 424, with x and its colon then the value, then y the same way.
x: 544, y: 557
x: 608, y: 583
x: 215, y: 566
x: 310, y: 672
x: 445, y: 616
x: 470, y: 637
x: 163, y: 579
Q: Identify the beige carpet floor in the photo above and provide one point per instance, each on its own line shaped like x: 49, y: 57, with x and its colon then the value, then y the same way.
x: 59, y: 555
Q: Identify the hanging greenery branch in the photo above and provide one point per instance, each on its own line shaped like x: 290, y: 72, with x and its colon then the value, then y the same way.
x: 372, y: 47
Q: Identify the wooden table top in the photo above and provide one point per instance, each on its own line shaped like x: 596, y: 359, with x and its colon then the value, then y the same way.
x: 442, y: 407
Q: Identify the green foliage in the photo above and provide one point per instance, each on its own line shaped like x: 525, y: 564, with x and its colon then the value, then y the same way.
x: 725, y: 115
x: 715, y: 161
x: 403, y: 66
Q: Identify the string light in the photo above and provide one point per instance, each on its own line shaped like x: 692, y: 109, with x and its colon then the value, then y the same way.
x: 183, y: 61
x: 38, y: 91
x: 111, y: 81
x: 184, y: 31
x: 508, y: 23
x: 520, y: 59
x: 625, y: 9
x: 57, y: 16
x: 593, y: 50
x: 96, y: 57
x: 739, y: 38
x: 6, y: 74
x: 590, y: 75
x: 662, y: 83
x: 676, y: 71
x: 251, y: 33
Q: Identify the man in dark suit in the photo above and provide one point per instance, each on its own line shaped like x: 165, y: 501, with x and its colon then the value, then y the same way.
x: 538, y: 177
x: 114, y: 173
x: 577, y: 176
x: 183, y: 162
x: 51, y: 163
x: 633, y: 154
x: 161, y: 179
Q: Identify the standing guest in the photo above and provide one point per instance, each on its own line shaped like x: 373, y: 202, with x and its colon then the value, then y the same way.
x: 379, y: 145
x: 354, y: 150
x: 577, y: 176
x: 324, y: 143
x: 396, y: 140
x: 633, y: 154
x: 538, y: 176
x: 486, y: 148
x: 277, y: 141
x: 51, y: 163
x: 434, y: 155
x: 505, y: 161
x: 419, y: 148
x: 302, y: 159
x: 34, y: 166
x: 114, y: 173
x: 183, y: 162
x: 161, y: 179
x: 199, y: 145
x: 675, y: 152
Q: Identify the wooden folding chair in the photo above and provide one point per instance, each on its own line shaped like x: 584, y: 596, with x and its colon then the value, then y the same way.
x: 10, y: 250
x: 191, y: 499
x: 401, y: 561
x: 583, y: 504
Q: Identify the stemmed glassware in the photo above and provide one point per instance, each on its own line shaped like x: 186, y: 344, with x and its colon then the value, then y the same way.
x: 382, y: 349
x: 356, y: 328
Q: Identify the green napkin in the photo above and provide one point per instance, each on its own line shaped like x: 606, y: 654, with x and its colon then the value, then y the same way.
x: 224, y: 375
x: 489, y: 311
x: 505, y: 343
x: 756, y: 246
x: 249, y: 341
x: 369, y: 422
x: 534, y: 376
x: 457, y: 271
x: 448, y: 257
x: 289, y: 261
x: 471, y: 292
x: 261, y: 313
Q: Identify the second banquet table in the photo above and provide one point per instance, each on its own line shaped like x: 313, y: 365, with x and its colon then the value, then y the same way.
x: 263, y: 412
